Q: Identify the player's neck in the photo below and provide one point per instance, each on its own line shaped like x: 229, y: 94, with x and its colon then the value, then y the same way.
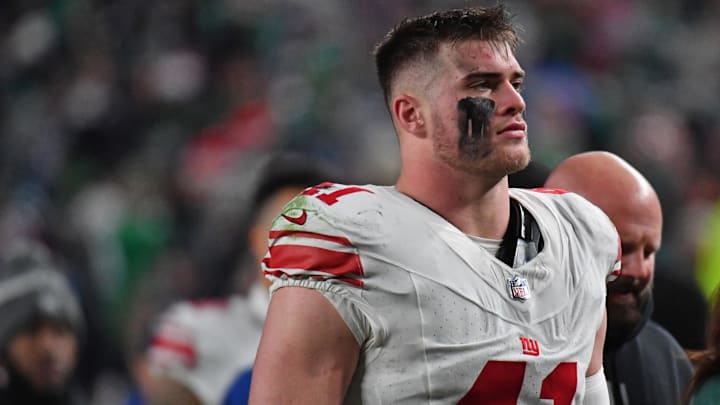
x: 473, y: 207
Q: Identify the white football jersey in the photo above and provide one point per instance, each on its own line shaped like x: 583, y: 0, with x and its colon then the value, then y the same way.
x: 438, y: 319
x: 206, y: 344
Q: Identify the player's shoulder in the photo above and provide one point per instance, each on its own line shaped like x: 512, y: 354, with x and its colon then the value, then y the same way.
x: 555, y: 196
x: 322, y: 232
x: 339, y: 198
x: 572, y: 212
x: 565, y: 204
x: 333, y: 207
x: 174, y: 339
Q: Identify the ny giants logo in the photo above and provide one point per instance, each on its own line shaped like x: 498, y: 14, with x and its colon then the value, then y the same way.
x: 530, y: 346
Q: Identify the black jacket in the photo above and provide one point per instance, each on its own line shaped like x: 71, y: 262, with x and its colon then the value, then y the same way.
x: 646, y: 367
x: 16, y: 390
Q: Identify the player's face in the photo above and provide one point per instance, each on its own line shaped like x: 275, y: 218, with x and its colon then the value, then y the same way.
x: 45, y: 355
x: 640, y: 228
x: 480, y: 70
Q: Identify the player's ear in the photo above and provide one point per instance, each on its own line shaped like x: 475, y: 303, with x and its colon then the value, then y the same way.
x: 408, y: 115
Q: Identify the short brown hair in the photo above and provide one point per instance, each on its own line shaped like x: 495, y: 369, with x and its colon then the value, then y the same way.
x: 415, y: 39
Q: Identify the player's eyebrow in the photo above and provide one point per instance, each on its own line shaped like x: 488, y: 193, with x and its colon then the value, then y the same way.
x: 519, y: 74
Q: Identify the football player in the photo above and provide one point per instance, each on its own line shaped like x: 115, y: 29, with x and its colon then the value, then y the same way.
x: 447, y: 287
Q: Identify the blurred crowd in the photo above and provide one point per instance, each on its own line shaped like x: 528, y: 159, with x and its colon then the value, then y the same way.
x: 131, y: 131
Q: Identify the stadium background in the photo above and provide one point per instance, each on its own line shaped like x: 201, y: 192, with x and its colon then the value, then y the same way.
x: 130, y: 130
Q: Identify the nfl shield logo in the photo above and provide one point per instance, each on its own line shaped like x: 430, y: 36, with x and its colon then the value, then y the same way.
x: 518, y: 288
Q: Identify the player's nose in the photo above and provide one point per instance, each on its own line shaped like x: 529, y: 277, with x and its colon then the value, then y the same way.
x: 509, y: 100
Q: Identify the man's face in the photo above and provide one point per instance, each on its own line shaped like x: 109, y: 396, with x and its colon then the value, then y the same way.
x: 639, y: 225
x: 481, y: 70
x: 45, y: 355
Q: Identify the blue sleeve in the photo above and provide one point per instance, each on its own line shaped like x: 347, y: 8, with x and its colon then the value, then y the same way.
x: 134, y: 398
x: 239, y: 392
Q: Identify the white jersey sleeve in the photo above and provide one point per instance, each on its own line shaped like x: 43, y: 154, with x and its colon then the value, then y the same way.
x: 315, y: 243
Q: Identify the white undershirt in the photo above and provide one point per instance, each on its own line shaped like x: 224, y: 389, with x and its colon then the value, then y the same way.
x: 490, y: 245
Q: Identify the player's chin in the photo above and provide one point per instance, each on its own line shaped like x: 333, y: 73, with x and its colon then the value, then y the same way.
x: 516, y: 159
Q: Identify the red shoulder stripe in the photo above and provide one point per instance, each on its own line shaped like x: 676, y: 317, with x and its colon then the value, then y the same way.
x: 314, y: 259
x: 186, y: 351
x: 340, y: 265
x: 549, y: 190
x: 337, y: 239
